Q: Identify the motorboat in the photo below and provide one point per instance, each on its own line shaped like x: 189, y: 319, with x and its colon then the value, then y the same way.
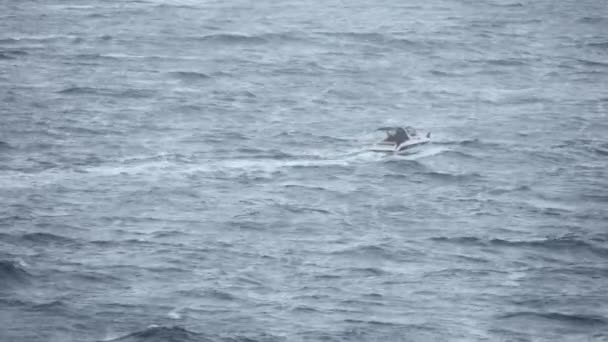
x: 400, y: 140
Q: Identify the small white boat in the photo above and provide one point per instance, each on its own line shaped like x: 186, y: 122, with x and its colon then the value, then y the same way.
x: 400, y: 140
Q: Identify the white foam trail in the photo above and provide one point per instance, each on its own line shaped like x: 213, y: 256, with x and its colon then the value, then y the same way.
x: 423, y: 152
x: 150, y: 166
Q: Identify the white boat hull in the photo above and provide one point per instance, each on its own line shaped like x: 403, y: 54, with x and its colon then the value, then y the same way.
x: 389, y: 147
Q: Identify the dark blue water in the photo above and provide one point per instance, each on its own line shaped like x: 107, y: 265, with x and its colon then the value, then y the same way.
x: 198, y: 171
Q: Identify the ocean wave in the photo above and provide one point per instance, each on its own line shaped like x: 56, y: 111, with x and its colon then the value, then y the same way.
x: 328, y: 277
x: 97, y: 278
x: 46, y: 238
x: 97, y: 15
x: 229, y: 38
x: 156, y: 333
x: 557, y: 245
x: 370, y: 251
x: 601, y: 197
x: 454, y: 272
x: 306, y: 308
x: 164, y: 234
x: 95, y: 130
x: 600, y: 237
x: 8, y: 41
x: 52, y: 306
x: 588, y: 145
x: 189, y: 76
x: 161, y: 157
x: 465, y: 240
x: 284, y: 37
x: 378, y: 39
x: 162, y: 334
x: 172, y: 5
x: 594, y: 272
x: 5, y: 146
x: 221, y: 295
x: 298, y: 209
x: 452, y: 177
x: 592, y: 20
x: 364, y: 271
x: 397, y: 176
x: 133, y: 93
x: 6, y: 56
x: 290, y: 137
x: 256, y: 153
x: 500, y: 191
x: 371, y: 322
x: 458, y: 154
x: 36, y: 39
x: 602, y: 151
x: 12, y: 274
x: 12, y: 302
x: 247, y: 224
x: 509, y: 4
x: 15, y: 52
x: 575, y: 319
x: 367, y: 250
x: 362, y: 36
x: 442, y: 73
x: 402, y: 164
x: 477, y: 143
x: 587, y: 62
x: 304, y: 187
x: 506, y: 62
x: 601, y: 45
x: 95, y: 56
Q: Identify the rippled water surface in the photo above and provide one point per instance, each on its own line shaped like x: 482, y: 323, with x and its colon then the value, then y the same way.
x: 197, y: 171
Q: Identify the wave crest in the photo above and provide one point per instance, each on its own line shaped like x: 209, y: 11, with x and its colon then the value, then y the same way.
x: 229, y: 38
x: 12, y: 274
x: 133, y: 93
x: 158, y: 334
x: 554, y: 244
x: 586, y: 320
x: 189, y: 76
x: 46, y: 238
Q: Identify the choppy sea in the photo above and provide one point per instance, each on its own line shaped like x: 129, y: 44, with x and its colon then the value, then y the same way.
x: 187, y: 170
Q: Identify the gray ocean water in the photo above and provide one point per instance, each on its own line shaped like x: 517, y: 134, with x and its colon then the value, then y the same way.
x: 187, y: 170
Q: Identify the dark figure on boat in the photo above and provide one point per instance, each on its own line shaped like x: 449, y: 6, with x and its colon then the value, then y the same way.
x: 398, y: 137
